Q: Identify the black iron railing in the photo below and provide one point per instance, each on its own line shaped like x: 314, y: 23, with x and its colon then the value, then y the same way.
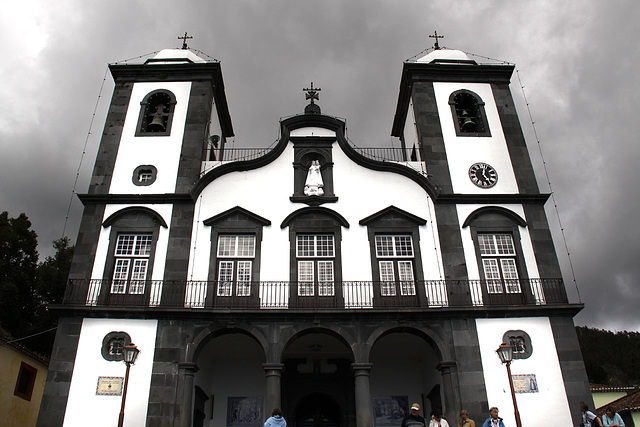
x: 376, y: 153
x: 293, y: 295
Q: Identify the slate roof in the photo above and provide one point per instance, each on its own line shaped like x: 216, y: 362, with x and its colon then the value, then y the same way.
x: 629, y: 403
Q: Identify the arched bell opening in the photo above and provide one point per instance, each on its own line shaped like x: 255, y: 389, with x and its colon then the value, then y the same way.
x: 404, y: 372
x: 317, y: 381
x: 230, y: 382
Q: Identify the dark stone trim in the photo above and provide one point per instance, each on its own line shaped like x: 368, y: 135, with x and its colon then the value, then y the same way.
x: 311, y: 210
x: 421, y: 72
x: 528, y: 345
x: 209, y: 71
x: 179, y: 245
x: 106, y: 342
x: 497, y: 210
x: 87, y: 242
x: 135, y: 177
x: 112, y: 199
x: 134, y: 209
x: 535, y: 199
x: 454, y: 262
x: 313, y: 200
x: 326, y: 122
x: 542, y: 241
x: 516, y: 144
x: 56, y: 391
x: 574, y: 374
x: 392, y: 209
x: 234, y: 211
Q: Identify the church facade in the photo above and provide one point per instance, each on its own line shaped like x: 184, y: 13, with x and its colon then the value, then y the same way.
x: 338, y: 283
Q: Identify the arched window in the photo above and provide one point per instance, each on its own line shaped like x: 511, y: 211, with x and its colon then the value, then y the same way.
x: 468, y: 112
x: 156, y: 114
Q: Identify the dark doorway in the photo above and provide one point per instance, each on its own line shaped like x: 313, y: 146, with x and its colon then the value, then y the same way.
x: 317, y: 410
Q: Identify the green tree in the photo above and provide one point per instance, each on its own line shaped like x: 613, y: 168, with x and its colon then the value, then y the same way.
x: 18, y: 264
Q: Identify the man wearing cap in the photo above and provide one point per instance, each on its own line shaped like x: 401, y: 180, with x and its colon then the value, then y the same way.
x: 414, y: 419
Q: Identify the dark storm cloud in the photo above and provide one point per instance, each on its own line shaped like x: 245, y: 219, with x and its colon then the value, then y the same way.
x: 577, y: 60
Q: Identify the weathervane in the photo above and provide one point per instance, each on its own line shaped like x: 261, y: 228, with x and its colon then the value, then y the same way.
x: 185, y: 38
x: 312, y: 93
x: 435, y: 35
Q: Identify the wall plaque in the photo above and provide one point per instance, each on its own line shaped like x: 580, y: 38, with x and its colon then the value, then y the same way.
x: 526, y: 383
x: 109, y: 386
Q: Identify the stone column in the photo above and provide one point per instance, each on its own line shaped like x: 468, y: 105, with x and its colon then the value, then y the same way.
x: 273, y: 371
x: 452, y: 402
x: 364, y: 407
x: 187, y: 371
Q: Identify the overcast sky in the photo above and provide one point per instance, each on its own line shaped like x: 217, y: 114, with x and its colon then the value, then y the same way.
x: 578, y: 61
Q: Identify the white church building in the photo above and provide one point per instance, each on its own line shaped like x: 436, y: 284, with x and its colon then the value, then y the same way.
x: 338, y: 283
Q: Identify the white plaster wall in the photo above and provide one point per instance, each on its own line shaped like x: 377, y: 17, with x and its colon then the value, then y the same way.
x: 462, y: 152
x: 266, y: 192
x: 102, y: 250
x: 410, y: 131
x: 84, y: 407
x: 469, y: 249
x: 543, y: 363
x: 163, y: 152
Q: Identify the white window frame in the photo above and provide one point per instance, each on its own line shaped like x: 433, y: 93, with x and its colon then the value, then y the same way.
x: 389, y: 253
x: 315, y: 253
x: 235, y: 264
x: 131, y: 263
x: 499, y: 263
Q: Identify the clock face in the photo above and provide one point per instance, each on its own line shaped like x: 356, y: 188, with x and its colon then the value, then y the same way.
x: 483, y: 175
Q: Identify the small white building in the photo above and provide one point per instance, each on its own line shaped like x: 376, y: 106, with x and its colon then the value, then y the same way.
x: 338, y: 283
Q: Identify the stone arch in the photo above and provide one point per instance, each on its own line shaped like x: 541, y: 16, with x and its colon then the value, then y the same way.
x: 428, y: 335
x: 339, y: 333
x: 209, y: 333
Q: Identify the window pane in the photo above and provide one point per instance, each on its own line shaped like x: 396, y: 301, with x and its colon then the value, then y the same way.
x: 305, y: 246
x: 246, y: 246
x: 384, y: 246
x: 138, y: 275
x: 387, y: 278
x: 405, y: 274
x: 492, y: 274
x: 504, y: 244
x: 404, y: 246
x: 120, y: 275
x: 124, y: 245
x: 485, y: 244
x: 243, y: 285
x: 305, y: 278
x: 226, y: 246
x: 225, y: 278
x: 324, y: 245
x: 510, y: 275
x: 325, y: 278
x: 143, y: 245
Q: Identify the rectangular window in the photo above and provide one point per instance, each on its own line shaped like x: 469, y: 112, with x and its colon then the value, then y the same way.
x: 132, y: 254
x: 395, y: 273
x: 315, y: 271
x: 25, y: 382
x: 499, y: 263
x: 235, y: 272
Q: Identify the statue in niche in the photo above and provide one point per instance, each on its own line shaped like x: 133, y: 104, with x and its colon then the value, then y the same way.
x: 313, y: 185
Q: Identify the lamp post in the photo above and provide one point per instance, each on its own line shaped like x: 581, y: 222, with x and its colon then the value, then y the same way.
x: 130, y: 352
x: 505, y: 353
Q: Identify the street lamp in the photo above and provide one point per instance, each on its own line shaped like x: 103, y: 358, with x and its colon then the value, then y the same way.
x: 130, y: 352
x: 505, y: 353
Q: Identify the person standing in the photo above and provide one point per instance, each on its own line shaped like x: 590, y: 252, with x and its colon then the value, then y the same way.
x: 414, y: 419
x: 589, y: 419
x: 276, y: 419
x: 437, y: 420
x: 465, y: 421
x: 494, y: 420
x: 612, y: 419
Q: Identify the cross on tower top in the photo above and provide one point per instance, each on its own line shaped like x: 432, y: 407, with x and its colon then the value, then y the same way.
x: 435, y: 35
x: 312, y: 93
x: 186, y: 37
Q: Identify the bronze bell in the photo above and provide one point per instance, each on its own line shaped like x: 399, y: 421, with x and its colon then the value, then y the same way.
x: 468, y: 125
x: 157, y: 123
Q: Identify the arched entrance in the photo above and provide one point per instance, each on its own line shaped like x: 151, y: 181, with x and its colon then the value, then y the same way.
x: 318, y: 386
x: 317, y: 410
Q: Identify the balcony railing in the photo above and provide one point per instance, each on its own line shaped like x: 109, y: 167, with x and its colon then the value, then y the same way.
x: 375, y: 153
x: 304, y: 296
